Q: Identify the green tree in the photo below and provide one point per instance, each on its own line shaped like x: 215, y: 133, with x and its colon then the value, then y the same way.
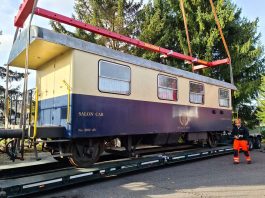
x: 13, y: 76
x: 157, y: 24
x: 115, y: 15
x: 261, y: 102
x: 161, y: 23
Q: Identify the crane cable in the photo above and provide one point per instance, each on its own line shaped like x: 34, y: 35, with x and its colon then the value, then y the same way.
x: 25, y: 86
x: 186, y: 29
x: 223, y: 40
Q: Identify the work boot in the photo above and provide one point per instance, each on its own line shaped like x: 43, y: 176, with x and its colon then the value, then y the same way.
x: 236, y: 162
x: 249, y: 162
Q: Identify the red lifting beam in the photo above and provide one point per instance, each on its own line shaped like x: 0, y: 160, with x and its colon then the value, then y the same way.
x: 78, y: 24
x: 24, y: 10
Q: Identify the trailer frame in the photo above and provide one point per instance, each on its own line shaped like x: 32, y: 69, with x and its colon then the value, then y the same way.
x: 58, y: 179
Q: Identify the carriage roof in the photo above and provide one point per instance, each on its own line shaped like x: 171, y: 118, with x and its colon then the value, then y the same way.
x: 46, y: 44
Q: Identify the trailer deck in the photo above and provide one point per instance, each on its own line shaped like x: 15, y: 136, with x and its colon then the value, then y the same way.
x: 53, y: 179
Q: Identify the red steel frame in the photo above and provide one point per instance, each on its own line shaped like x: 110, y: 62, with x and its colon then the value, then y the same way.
x: 27, y: 6
x: 24, y: 11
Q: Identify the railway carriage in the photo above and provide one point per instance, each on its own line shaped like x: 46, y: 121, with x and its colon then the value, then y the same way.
x: 90, y: 95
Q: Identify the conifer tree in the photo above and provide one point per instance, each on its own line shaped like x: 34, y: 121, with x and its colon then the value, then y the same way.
x: 115, y: 15
x: 13, y: 90
x: 261, y: 102
x: 161, y: 23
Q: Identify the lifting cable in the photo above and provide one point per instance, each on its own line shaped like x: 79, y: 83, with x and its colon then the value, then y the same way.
x: 223, y: 40
x: 25, y: 86
x: 186, y: 29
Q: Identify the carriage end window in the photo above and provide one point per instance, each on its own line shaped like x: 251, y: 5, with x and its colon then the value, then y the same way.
x: 114, y: 78
x: 167, y: 88
x: 223, y: 98
x: 196, y: 93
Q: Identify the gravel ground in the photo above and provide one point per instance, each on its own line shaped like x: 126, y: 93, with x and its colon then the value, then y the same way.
x: 215, y: 177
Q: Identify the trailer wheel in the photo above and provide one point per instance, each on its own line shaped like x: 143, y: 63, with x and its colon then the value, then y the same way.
x: 85, y: 153
x: 212, y: 140
x: 250, y: 144
x: 257, y: 144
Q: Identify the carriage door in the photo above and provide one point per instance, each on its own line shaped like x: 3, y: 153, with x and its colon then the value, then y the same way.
x: 60, y: 94
x: 45, y: 84
x: 53, y: 99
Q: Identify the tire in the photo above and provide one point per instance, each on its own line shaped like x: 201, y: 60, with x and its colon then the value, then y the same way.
x: 84, y: 154
x: 212, y: 140
x: 250, y: 144
x: 257, y: 144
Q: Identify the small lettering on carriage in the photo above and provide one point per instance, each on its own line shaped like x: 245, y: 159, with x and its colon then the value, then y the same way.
x: 183, y: 127
x: 86, y: 114
x: 99, y: 114
x: 90, y: 114
x: 87, y: 130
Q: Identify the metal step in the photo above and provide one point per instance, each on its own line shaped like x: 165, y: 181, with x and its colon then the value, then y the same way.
x: 54, y: 179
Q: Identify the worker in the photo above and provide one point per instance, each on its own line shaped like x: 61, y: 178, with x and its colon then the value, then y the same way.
x: 240, y: 134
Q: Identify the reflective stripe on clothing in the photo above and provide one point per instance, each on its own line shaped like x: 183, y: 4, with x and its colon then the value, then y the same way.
x: 241, y: 144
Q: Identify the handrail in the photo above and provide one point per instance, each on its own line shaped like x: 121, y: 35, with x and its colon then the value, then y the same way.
x: 68, y: 101
x: 36, y: 112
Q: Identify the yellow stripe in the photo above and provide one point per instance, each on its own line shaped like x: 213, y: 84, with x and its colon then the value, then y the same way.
x: 68, y: 100
x: 36, y: 113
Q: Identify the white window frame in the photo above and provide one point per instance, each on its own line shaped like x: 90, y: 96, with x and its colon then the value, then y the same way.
x: 168, y: 88
x: 203, y: 94
x: 116, y: 79
x: 219, y: 97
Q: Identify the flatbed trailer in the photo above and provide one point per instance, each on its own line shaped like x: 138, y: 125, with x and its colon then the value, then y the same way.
x: 53, y: 179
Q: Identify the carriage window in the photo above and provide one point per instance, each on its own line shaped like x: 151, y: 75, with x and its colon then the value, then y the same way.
x: 223, y: 98
x: 114, y: 78
x: 196, y: 93
x: 167, y: 88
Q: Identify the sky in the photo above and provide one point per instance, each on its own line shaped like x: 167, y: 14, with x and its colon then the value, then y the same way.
x: 251, y: 9
x: 8, y: 10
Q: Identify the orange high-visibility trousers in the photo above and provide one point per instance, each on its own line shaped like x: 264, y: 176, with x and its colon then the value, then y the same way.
x: 243, y: 144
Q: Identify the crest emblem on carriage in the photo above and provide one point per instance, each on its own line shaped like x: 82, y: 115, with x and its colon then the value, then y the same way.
x: 184, y: 120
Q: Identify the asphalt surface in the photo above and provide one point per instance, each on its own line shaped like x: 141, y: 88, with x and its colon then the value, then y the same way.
x: 214, y: 177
